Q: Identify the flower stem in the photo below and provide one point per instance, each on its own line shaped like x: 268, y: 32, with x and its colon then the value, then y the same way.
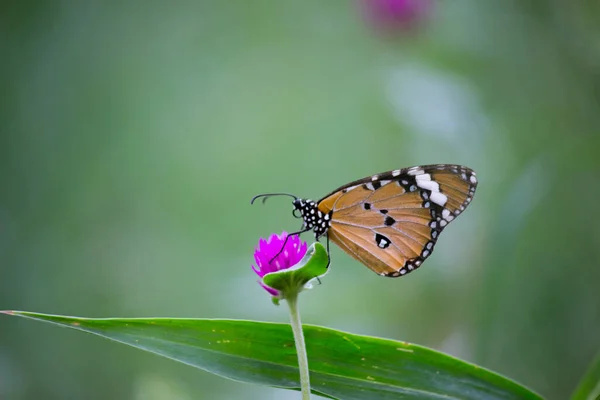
x: 300, y: 345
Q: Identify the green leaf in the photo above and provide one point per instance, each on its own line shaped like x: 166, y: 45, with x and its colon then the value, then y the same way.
x: 342, y: 365
x: 589, y: 386
x: 312, y: 265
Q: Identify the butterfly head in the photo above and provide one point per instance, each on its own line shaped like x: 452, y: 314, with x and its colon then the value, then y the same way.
x: 312, y: 217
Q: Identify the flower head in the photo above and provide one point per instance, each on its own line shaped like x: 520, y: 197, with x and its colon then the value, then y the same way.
x: 288, y: 255
x: 389, y: 16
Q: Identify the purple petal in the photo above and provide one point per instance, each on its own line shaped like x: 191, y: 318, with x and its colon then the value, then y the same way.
x: 271, y: 291
x: 396, y: 15
x: 287, y: 256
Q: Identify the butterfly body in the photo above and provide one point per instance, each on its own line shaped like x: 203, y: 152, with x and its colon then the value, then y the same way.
x: 314, y: 219
x: 391, y: 221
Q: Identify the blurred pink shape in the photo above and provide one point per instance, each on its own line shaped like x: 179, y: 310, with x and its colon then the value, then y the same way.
x: 392, y: 16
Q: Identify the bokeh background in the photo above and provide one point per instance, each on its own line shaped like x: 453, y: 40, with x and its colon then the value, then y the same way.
x: 133, y: 135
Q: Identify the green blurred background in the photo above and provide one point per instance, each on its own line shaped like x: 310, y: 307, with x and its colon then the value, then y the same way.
x: 133, y: 135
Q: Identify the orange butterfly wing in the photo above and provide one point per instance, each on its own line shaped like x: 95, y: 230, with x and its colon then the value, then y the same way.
x: 391, y: 221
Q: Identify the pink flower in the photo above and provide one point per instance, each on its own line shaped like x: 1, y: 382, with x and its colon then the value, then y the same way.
x: 394, y: 15
x: 288, y: 256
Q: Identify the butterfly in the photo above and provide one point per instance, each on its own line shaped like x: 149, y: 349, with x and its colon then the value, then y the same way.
x: 391, y: 221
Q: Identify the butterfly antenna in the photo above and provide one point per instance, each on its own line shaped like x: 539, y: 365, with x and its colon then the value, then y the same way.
x: 265, y: 196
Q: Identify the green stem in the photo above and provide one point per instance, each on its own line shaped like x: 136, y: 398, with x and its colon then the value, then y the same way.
x: 300, y: 345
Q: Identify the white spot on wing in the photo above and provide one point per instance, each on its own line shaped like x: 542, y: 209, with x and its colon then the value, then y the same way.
x: 383, y: 183
x: 473, y: 179
x: 396, y: 172
x: 416, y: 172
x: 429, y: 185
x: 439, y: 198
x: 423, y: 177
x: 370, y: 186
x: 445, y: 213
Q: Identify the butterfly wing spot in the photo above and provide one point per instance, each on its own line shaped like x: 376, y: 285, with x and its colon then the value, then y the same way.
x: 396, y: 172
x: 383, y: 211
x: 439, y: 198
x: 389, y: 221
x: 428, y: 184
x: 394, y: 274
x: 382, y: 241
x: 367, y: 206
x: 415, y: 171
x: 349, y: 189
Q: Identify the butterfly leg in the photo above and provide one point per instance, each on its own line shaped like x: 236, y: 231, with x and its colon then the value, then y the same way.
x: 328, y: 255
x: 285, y: 242
x: 328, y: 259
